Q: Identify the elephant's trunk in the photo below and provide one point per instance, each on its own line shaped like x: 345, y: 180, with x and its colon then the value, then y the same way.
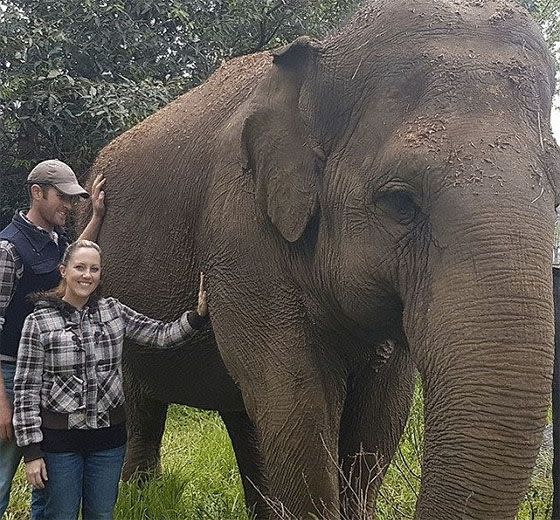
x: 481, y: 333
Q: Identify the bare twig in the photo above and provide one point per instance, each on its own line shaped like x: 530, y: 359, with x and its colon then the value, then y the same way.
x: 538, y: 196
x: 405, y: 477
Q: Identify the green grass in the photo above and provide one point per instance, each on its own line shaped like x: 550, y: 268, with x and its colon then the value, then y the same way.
x: 200, y: 479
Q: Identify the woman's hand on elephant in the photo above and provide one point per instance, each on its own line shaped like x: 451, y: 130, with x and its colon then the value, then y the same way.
x: 36, y: 472
x: 202, y: 308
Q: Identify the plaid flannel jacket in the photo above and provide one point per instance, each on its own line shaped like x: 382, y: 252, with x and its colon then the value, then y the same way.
x: 69, y: 361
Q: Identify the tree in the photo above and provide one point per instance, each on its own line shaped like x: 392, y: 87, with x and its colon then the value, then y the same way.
x: 75, y: 74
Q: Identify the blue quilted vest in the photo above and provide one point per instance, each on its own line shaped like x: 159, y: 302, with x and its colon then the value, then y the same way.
x: 40, y: 257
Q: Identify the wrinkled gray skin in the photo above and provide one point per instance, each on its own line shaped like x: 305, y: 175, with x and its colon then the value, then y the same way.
x: 377, y: 201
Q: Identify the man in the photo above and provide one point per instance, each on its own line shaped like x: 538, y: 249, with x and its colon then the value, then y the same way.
x: 31, y: 247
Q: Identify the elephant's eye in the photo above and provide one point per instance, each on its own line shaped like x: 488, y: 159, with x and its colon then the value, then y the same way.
x: 399, y: 205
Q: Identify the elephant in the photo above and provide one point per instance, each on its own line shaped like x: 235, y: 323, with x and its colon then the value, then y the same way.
x: 368, y: 207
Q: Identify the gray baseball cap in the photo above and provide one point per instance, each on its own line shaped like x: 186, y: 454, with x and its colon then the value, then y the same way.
x: 57, y: 174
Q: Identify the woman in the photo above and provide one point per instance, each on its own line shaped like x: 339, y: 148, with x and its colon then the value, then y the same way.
x: 68, y: 409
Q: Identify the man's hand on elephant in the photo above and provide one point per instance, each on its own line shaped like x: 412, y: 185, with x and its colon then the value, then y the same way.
x: 98, y: 196
x: 36, y: 472
x: 202, y: 308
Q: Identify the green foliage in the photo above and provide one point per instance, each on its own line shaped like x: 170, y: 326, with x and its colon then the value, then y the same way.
x: 73, y: 75
x: 547, y: 14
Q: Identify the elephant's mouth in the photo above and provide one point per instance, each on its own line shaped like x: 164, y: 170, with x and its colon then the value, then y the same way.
x: 383, y: 352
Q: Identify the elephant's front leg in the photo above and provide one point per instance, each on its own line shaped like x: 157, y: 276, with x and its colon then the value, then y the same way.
x: 375, y: 412
x: 296, y: 410
x: 299, y: 430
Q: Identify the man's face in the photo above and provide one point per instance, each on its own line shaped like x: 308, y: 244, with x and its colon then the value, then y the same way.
x: 54, y: 206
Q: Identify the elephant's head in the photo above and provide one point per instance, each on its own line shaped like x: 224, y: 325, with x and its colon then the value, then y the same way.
x: 412, y: 153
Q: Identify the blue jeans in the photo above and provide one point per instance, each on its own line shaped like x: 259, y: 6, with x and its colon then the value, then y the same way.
x: 11, y: 455
x: 90, y: 479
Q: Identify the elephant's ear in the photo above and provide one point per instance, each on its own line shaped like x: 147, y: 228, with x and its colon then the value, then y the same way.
x: 277, y: 146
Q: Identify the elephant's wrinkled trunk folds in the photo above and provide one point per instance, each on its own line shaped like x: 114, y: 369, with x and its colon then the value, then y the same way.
x: 481, y: 333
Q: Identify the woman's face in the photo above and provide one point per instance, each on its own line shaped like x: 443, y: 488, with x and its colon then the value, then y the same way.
x: 82, y: 275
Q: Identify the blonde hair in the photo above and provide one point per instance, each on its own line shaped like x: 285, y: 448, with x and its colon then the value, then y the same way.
x: 60, y: 289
